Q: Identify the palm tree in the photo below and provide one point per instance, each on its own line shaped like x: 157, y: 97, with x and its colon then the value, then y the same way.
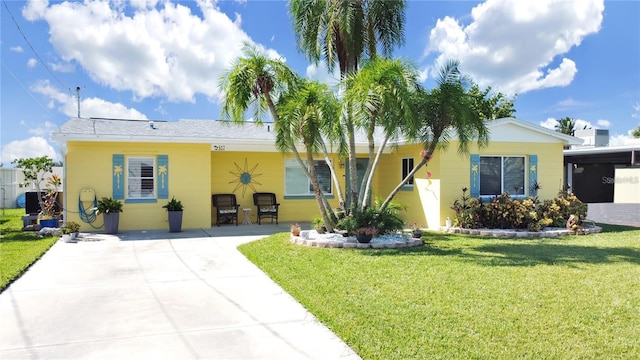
x: 566, y: 125
x: 342, y: 32
x: 379, y: 96
x: 254, y: 81
x: 304, y: 115
x: 446, y: 109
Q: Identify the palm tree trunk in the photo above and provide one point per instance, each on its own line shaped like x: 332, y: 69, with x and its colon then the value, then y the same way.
x: 423, y: 162
x: 362, y: 195
x: 305, y: 169
x: 334, y: 178
x: 353, y: 168
x: 317, y: 191
x: 376, y: 161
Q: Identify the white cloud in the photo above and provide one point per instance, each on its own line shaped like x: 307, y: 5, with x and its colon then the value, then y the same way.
x: 32, y: 147
x: 156, y: 48
x: 89, y: 107
x: 44, y: 129
x: 17, y: 49
x: 603, y: 124
x: 568, y: 104
x: 518, y: 46
x: 62, y: 67
x: 320, y: 73
x: 31, y: 63
x: 550, y: 123
x: 636, y: 110
x: 618, y: 140
x: 583, y: 124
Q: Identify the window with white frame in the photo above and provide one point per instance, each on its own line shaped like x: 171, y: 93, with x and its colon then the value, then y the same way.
x: 499, y: 174
x: 140, y: 177
x: 407, y: 166
x: 296, y: 182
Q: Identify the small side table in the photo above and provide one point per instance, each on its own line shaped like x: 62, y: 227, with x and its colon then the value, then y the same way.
x: 247, y: 219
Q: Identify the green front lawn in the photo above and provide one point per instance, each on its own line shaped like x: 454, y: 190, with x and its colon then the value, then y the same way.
x: 466, y: 297
x: 18, y: 249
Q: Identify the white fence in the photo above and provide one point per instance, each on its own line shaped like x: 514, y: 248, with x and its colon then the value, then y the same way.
x: 10, y: 190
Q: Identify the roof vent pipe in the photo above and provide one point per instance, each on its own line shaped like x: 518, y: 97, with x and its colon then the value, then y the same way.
x: 151, y: 124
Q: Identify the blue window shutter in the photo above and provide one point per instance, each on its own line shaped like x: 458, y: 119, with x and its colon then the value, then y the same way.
x: 474, y: 181
x: 533, y: 174
x: 162, y: 179
x: 118, y: 172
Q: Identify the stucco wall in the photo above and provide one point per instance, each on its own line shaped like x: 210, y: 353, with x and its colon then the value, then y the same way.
x: 267, y: 171
x: 455, y: 171
x: 90, y: 165
x: 429, y: 201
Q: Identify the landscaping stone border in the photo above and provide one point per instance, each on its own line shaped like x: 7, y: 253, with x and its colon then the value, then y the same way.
x: 509, y: 233
x: 313, y: 239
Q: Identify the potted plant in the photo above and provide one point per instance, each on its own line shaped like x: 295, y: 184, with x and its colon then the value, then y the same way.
x: 66, y: 237
x: 174, y: 209
x: 365, y: 234
x: 295, y: 229
x: 416, y: 231
x: 111, y: 209
x: 72, y: 228
x: 318, y: 225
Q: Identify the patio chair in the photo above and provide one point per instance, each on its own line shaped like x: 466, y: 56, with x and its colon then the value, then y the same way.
x: 226, y: 208
x: 267, y: 206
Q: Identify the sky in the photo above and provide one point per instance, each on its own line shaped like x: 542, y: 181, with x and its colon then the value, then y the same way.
x: 162, y: 60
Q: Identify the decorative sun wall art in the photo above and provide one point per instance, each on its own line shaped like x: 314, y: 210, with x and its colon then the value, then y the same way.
x: 245, y: 177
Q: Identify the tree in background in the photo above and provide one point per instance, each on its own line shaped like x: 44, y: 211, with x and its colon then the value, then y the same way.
x: 636, y: 132
x: 491, y: 106
x: 34, y: 170
x: 566, y: 125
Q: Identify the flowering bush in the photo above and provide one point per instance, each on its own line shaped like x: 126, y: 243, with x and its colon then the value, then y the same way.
x: 295, y: 227
x: 369, y: 230
x: 504, y: 212
x: 49, y: 200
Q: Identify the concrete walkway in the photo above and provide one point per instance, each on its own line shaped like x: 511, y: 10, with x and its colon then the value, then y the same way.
x: 143, y: 296
x: 616, y: 214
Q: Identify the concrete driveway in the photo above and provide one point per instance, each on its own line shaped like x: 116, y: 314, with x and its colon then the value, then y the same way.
x: 140, y: 295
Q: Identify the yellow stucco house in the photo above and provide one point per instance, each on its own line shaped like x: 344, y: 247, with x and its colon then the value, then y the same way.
x: 146, y: 163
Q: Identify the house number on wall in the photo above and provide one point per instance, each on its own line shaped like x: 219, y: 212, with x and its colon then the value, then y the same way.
x: 218, y: 147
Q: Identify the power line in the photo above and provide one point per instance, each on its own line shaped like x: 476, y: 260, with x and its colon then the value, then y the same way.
x: 31, y: 47
x: 24, y: 87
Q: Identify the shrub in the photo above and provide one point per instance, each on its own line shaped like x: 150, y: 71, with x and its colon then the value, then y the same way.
x: 468, y: 211
x: 385, y: 221
x: 504, y: 212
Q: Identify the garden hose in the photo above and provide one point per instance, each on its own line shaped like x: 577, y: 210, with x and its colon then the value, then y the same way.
x: 88, y: 214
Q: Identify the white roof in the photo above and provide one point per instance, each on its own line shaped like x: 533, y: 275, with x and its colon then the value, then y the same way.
x: 515, y: 130
x: 250, y: 136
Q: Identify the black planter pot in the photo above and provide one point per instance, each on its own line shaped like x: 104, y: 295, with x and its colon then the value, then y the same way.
x: 175, y: 221
x: 364, y: 239
x: 111, y: 221
x: 416, y: 234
